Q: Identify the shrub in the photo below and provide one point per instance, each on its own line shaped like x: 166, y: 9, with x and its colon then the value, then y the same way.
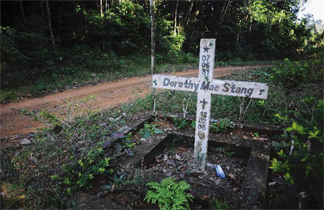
x: 79, y: 173
x: 290, y: 74
x: 305, y: 157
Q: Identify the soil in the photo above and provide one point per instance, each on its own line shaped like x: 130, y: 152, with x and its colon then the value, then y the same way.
x: 106, y: 95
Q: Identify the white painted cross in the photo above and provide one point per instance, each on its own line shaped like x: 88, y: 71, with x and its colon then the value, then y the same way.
x: 205, y: 85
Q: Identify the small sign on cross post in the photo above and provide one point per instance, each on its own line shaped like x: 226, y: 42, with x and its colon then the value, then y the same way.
x: 205, y: 85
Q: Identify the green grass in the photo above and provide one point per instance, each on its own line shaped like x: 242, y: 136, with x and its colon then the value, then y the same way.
x: 123, y: 67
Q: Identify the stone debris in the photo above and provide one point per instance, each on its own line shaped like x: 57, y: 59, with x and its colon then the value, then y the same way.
x: 272, y: 184
x: 33, y: 159
x: 209, y: 165
x: 25, y: 142
x: 177, y: 157
x: 125, y: 129
x: 171, y: 162
x: 118, y: 118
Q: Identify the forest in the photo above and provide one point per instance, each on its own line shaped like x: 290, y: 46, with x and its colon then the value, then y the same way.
x: 54, y: 38
x: 73, y: 142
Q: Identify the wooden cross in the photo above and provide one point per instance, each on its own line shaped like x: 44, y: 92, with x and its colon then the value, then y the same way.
x: 205, y: 85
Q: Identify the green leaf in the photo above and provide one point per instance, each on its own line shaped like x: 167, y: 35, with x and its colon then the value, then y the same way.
x: 158, y: 131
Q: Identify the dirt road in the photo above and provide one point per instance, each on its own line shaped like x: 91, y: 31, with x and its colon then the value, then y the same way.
x: 106, y: 95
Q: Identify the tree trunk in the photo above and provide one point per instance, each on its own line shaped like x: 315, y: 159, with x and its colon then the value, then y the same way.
x: 152, y: 48
x: 42, y: 9
x: 152, y: 37
x: 50, y: 23
x: 175, y: 18
x: 189, y: 12
x: 22, y: 11
x: 223, y: 13
x: 237, y: 39
x: 101, y: 10
x: 102, y: 32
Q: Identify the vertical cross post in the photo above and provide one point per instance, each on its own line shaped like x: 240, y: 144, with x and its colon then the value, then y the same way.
x: 206, y: 69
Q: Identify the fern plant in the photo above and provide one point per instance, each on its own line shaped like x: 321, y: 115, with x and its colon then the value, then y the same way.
x: 169, y: 194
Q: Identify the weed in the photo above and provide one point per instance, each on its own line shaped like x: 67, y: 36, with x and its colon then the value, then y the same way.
x: 193, y: 124
x: 221, y: 125
x: 149, y: 130
x: 169, y: 194
x: 179, y: 122
x: 217, y: 204
x: 170, y: 147
x: 256, y: 134
x: 230, y: 154
x: 79, y: 172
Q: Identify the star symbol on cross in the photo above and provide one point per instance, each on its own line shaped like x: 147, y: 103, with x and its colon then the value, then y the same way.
x: 206, y: 49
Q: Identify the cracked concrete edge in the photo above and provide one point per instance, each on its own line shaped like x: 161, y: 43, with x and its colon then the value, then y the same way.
x: 268, y: 129
x: 254, y: 186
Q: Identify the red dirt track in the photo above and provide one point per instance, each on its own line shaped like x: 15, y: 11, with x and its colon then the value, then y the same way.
x: 106, y: 95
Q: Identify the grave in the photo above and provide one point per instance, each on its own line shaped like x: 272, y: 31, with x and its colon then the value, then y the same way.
x: 245, y: 161
x: 205, y: 85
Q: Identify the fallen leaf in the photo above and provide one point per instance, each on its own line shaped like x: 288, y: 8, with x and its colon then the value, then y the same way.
x: 34, y: 160
x: 231, y: 176
x: 260, y: 138
x: 177, y: 157
x: 235, y: 189
x: 129, y: 152
x: 171, y: 162
x: 169, y: 173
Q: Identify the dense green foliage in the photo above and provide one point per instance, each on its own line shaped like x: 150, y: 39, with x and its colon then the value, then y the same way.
x: 84, y: 40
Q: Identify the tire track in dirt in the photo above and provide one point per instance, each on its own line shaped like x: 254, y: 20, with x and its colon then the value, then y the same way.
x: 106, y: 95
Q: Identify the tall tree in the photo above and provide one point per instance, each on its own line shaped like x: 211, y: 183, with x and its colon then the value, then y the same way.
x: 189, y: 12
x: 152, y: 37
x: 22, y: 11
x: 50, y: 23
x: 101, y: 9
x: 175, y: 18
x: 152, y: 47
